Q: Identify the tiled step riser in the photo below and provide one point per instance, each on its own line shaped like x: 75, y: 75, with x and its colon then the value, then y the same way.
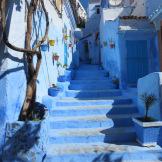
x: 89, y: 103
x: 127, y: 137
x: 91, y: 86
x: 109, y: 111
x: 109, y: 123
x: 92, y: 94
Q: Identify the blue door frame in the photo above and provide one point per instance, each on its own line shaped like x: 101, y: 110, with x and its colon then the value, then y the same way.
x: 137, y: 60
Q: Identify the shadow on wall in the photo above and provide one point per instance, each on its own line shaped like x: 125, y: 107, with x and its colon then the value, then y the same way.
x: 19, y: 142
x: 5, y: 55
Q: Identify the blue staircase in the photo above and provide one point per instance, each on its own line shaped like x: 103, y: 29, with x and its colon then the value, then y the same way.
x: 93, y: 123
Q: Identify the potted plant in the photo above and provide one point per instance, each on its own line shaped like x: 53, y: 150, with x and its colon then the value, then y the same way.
x: 70, y: 45
x: 55, y: 56
x: 59, y: 64
x: 107, y: 74
x: 65, y: 66
x: 116, y: 82
x: 51, y: 42
x: 112, y: 44
x: 147, y: 128
x: 105, y: 43
x: 66, y: 37
x: 44, y: 47
x: 27, y: 141
x: 54, y: 90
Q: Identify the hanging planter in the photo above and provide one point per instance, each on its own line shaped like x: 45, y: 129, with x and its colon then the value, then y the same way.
x: 55, y: 56
x: 51, y: 42
x: 105, y: 43
x: 112, y: 44
x: 66, y: 37
x: 44, y: 47
x: 70, y: 45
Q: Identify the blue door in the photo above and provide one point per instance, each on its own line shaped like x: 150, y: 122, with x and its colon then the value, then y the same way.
x: 137, y: 60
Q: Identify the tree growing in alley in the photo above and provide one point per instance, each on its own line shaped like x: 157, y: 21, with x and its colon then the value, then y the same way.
x: 29, y: 52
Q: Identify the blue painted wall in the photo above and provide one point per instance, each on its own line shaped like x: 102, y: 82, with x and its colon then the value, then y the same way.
x: 110, y: 57
x: 12, y: 68
x: 114, y: 60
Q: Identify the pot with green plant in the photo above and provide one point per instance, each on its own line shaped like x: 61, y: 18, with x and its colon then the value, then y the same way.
x: 55, y: 56
x: 116, y: 82
x: 147, y: 128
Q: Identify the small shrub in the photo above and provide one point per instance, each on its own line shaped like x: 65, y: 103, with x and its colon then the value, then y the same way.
x: 148, y: 100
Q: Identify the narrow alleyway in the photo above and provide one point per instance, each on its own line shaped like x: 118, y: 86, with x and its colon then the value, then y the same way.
x: 93, y: 123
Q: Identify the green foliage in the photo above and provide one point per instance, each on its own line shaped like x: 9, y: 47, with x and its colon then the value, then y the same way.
x: 55, y: 54
x: 65, y: 66
x: 59, y: 64
x: 148, y: 100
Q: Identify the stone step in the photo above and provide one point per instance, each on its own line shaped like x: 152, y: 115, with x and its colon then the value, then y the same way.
x: 89, y: 81
x: 92, y: 121
x: 94, y: 110
x: 102, y: 152
x: 89, y: 67
x: 89, y: 135
x: 92, y: 93
x: 94, y: 86
x: 93, y: 101
x: 90, y: 77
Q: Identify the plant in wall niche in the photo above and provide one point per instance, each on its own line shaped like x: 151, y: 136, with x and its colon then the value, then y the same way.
x: 148, y: 100
x: 116, y: 82
x: 55, y: 56
x: 147, y: 128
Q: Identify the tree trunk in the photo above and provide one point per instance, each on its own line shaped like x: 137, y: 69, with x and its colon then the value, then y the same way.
x: 29, y: 101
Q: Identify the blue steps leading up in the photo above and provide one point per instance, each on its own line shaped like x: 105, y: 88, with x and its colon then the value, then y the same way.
x: 92, y: 93
x: 89, y: 86
x: 94, y: 110
x: 93, y: 123
x: 92, y: 135
x: 93, y: 101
